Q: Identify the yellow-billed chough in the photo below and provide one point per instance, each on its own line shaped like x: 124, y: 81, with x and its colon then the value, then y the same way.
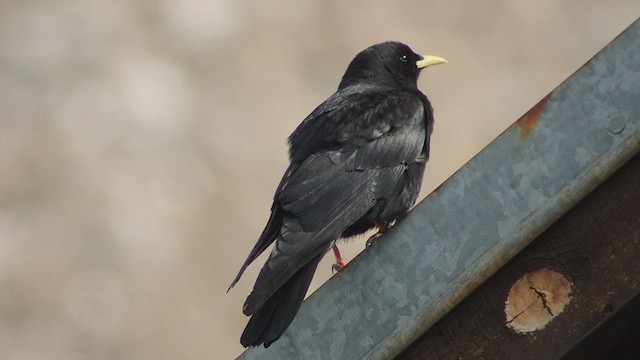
x: 357, y: 163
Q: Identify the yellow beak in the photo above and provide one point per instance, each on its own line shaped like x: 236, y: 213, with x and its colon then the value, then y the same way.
x: 429, y: 60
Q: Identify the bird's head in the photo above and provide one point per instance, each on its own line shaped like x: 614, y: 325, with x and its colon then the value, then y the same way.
x: 388, y: 63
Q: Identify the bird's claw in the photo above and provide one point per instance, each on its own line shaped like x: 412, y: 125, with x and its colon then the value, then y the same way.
x: 338, y: 266
x: 372, y: 240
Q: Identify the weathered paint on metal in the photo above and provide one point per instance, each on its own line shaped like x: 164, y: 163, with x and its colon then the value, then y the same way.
x: 481, y: 217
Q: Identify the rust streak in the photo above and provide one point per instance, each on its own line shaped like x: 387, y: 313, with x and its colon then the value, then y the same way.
x: 528, y: 121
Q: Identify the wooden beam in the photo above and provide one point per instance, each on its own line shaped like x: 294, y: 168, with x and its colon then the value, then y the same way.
x: 616, y: 338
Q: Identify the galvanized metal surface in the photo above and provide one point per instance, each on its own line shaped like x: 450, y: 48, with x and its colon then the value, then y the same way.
x: 479, y: 218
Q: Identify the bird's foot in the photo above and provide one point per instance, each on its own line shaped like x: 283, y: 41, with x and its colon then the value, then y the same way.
x: 339, y: 265
x: 372, y: 240
x: 382, y: 228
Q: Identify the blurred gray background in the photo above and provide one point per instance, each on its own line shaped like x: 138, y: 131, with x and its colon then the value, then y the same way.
x: 141, y: 142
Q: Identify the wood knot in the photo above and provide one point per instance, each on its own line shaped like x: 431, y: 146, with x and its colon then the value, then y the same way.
x: 536, y: 299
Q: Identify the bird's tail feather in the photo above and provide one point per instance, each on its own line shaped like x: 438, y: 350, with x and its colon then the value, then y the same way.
x: 276, y: 314
x: 269, y: 235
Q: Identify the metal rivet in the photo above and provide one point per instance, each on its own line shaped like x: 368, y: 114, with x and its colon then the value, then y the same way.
x: 617, y: 124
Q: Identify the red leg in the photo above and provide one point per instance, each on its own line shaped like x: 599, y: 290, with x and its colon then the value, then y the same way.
x: 339, y: 262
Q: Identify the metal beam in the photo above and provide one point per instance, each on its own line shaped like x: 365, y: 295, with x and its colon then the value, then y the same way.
x: 487, y: 212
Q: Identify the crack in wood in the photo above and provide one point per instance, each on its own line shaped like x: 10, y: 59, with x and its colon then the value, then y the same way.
x: 542, y: 296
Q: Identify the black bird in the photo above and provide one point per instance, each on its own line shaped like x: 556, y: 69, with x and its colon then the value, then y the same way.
x: 357, y: 163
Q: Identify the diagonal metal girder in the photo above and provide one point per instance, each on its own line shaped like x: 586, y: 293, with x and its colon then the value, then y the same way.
x: 487, y: 212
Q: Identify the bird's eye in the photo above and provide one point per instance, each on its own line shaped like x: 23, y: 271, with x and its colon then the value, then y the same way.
x: 404, y: 58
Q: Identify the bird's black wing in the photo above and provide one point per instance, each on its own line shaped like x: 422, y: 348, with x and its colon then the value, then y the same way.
x: 351, y: 151
x: 271, y: 230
